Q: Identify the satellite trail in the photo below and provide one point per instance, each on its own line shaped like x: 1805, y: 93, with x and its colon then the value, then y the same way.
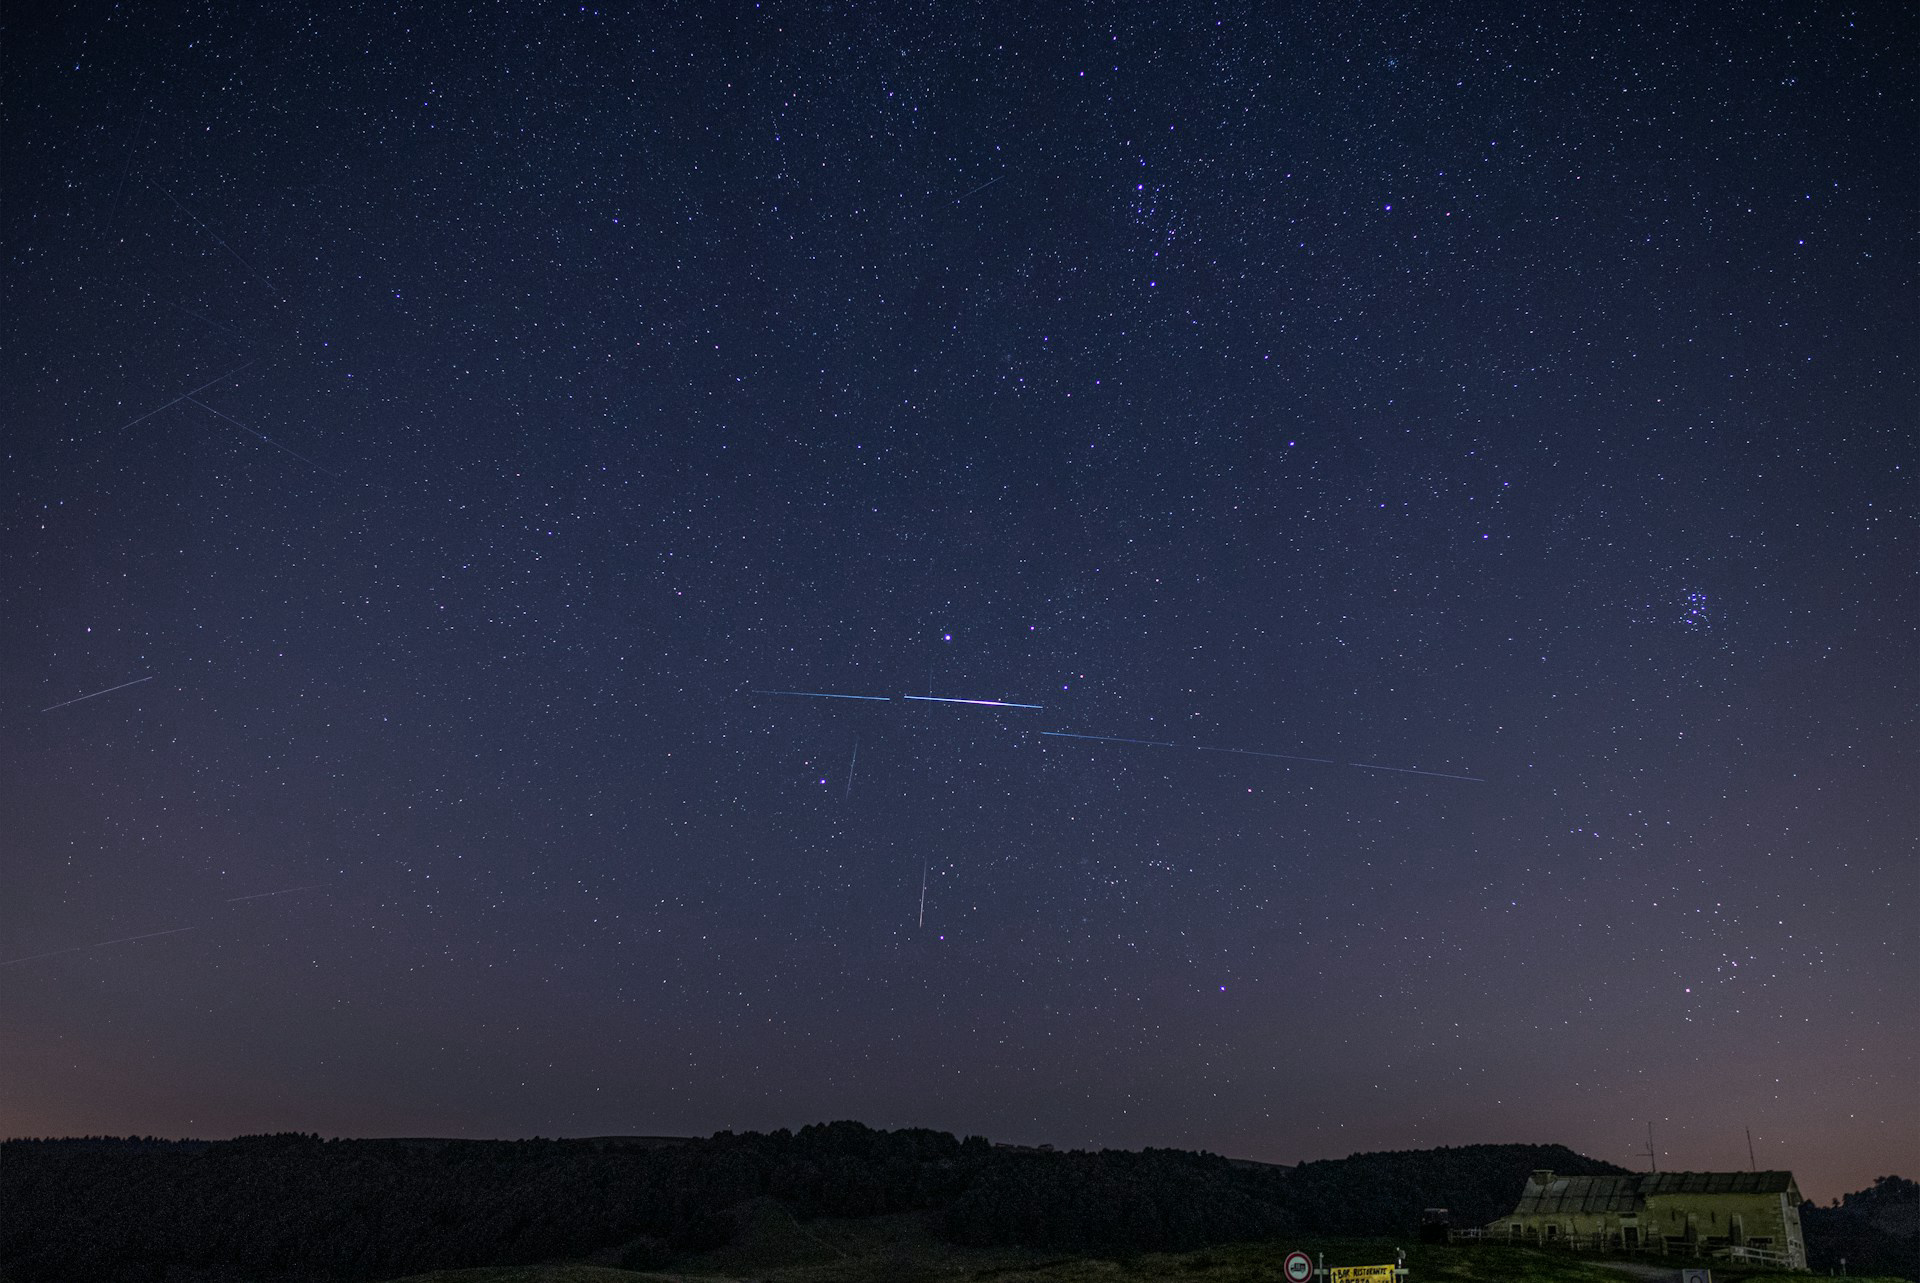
x: 989, y: 703
x: 824, y: 695
x: 97, y: 694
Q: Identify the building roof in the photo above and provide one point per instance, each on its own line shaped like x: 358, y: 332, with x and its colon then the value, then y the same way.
x: 1579, y: 1194
x: 1656, y: 1183
x: 1547, y: 1194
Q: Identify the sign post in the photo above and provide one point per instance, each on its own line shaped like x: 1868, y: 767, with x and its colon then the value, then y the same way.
x: 1297, y: 1268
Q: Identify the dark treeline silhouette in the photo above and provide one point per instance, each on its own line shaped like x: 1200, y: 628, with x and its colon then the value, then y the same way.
x: 1382, y: 1193
x: 1874, y: 1230
x: 296, y: 1209
x: 1115, y: 1201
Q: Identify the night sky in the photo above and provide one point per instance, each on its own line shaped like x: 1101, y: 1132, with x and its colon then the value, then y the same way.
x: 451, y: 422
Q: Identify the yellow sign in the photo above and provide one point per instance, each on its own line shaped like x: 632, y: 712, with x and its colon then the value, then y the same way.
x: 1362, y: 1274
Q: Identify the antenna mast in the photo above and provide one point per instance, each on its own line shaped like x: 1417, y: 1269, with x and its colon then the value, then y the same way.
x: 1653, y: 1164
x: 1752, y: 1164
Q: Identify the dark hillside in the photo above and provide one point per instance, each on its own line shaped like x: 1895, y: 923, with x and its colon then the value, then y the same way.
x: 1874, y: 1230
x: 297, y: 1209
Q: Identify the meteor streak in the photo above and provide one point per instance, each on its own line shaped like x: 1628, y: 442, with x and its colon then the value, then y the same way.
x: 825, y: 695
x: 184, y: 395
x: 97, y: 694
x: 81, y: 948
x: 261, y: 895
x: 1408, y: 770
x: 1109, y: 739
x: 193, y: 400
x: 989, y: 703
x: 1254, y: 752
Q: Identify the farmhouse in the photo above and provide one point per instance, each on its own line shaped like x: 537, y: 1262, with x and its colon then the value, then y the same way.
x: 1690, y: 1212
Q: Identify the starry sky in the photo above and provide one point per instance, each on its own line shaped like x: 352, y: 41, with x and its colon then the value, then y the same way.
x: 444, y: 427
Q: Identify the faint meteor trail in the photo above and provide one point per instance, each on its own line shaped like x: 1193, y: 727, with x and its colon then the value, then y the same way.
x: 97, y: 694
x: 1116, y: 739
x: 825, y: 695
x: 186, y: 396
x: 1408, y: 770
x: 133, y: 149
x: 208, y: 319
x: 82, y: 948
x: 981, y: 188
x: 261, y: 895
x: 1254, y: 752
x: 251, y: 270
x: 193, y: 400
x: 1109, y: 739
x: 989, y: 703
x: 923, y: 893
x: 153, y: 935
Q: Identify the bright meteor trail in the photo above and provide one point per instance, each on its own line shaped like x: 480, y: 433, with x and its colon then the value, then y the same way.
x: 824, y: 695
x: 989, y: 703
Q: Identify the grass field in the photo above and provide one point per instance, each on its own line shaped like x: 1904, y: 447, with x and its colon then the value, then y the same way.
x: 775, y: 1248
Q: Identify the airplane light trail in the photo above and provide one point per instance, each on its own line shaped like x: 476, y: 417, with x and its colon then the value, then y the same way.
x: 97, y: 694
x: 989, y: 703
x: 824, y: 695
x: 1109, y: 739
x: 81, y: 948
x: 1408, y: 770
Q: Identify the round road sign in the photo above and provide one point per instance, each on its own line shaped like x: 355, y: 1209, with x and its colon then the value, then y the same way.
x: 1298, y: 1267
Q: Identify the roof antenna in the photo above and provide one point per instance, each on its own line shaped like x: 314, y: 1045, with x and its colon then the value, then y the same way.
x: 1752, y: 1164
x: 1653, y: 1164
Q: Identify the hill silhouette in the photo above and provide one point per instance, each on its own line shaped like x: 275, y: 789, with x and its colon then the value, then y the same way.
x: 294, y: 1208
